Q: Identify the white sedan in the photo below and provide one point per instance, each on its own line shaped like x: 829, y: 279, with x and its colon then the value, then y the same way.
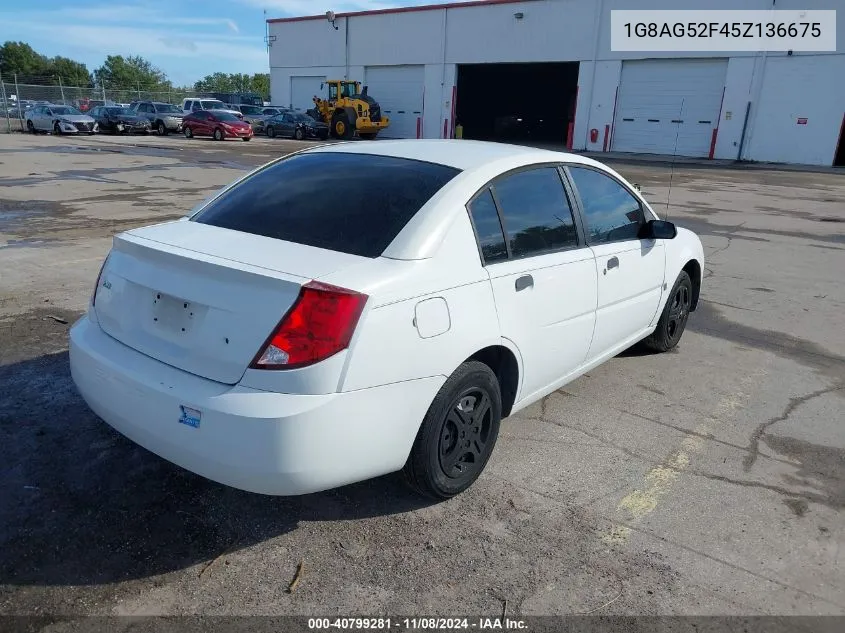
x: 355, y: 309
x: 59, y: 119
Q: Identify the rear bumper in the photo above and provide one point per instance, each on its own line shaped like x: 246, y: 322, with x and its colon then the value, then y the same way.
x: 264, y: 442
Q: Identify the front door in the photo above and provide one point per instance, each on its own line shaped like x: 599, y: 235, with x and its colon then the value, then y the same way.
x: 543, y: 276
x: 629, y: 270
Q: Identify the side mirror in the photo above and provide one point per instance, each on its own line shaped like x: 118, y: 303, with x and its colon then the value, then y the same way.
x: 658, y: 230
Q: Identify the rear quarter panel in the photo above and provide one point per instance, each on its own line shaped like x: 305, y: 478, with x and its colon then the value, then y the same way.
x: 389, y: 344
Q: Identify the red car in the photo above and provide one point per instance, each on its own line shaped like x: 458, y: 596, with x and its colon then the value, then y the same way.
x: 220, y: 125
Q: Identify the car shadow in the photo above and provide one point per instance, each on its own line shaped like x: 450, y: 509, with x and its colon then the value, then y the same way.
x: 83, y: 505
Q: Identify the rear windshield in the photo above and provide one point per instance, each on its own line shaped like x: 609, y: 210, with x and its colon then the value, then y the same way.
x: 351, y: 203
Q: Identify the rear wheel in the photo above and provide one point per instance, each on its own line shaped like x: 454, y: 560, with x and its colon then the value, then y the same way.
x: 673, y: 320
x: 30, y: 127
x: 271, y: 131
x: 188, y: 132
x: 458, y: 433
x: 162, y: 128
x: 218, y: 134
x: 340, y: 126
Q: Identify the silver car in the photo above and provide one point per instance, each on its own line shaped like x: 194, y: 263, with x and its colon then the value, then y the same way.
x: 59, y: 119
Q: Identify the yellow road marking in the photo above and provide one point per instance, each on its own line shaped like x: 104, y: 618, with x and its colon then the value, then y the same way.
x: 659, y: 480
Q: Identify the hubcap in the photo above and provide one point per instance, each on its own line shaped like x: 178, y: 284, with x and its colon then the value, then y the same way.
x: 465, y: 434
x: 678, y: 311
x: 341, y: 128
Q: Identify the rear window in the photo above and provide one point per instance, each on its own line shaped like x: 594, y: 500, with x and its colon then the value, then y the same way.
x: 351, y: 203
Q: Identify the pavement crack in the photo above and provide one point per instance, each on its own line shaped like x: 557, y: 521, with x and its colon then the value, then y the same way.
x: 794, y: 402
x: 791, y: 494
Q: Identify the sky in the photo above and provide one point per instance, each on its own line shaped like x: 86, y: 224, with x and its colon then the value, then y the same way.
x: 187, y: 39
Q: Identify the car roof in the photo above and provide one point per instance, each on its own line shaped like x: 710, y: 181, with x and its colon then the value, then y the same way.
x: 461, y: 154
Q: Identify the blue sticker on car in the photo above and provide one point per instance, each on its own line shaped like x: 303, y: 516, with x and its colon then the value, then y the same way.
x: 189, y: 416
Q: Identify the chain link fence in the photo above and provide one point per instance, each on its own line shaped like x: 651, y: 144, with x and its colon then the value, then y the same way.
x: 18, y: 94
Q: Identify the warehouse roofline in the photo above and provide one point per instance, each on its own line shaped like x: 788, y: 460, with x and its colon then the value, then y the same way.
x: 426, y: 7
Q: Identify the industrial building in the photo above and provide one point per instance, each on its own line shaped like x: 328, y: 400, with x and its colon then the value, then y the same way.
x: 542, y: 71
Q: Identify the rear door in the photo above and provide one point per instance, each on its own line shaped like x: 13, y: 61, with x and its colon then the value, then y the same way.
x: 543, y: 275
x: 630, y: 270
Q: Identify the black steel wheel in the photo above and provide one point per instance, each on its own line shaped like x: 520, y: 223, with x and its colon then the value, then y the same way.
x: 458, y: 433
x: 673, y: 320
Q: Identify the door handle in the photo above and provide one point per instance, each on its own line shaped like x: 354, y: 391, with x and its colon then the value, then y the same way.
x: 613, y: 262
x: 526, y: 281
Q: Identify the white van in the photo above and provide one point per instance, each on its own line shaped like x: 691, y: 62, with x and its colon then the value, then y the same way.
x: 193, y: 104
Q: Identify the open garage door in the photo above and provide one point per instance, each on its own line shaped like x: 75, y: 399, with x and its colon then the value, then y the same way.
x: 303, y: 90
x: 527, y: 103
x: 661, y: 100
x: 399, y: 92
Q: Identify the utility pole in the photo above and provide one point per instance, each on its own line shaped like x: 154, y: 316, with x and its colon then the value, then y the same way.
x: 61, y: 89
x: 6, y: 105
x: 18, y: 97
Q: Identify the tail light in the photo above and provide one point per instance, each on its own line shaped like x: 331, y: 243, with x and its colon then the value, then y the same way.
x: 318, y: 325
x: 97, y: 283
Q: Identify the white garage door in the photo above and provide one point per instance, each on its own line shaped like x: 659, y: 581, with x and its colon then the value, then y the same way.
x: 303, y: 90
x: 399, y: 92
x: 661, y: 101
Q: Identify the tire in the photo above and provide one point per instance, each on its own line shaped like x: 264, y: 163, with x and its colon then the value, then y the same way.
x: 271, y: 131
x: 189, y: 133
x: 340, y: 126
x: 673, y: 320
x: 30, y: 127
x: 367, y: 136
x: 218, y: 134
x: 439, y: 465
x: 246, y: 138
x: 299, y: 135
x: 57, y: 130
x: 162, y: 129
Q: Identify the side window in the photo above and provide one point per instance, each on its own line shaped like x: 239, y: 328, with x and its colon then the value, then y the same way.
x: 332, y: 92
x: 536, y: 211
x: 488, y: 229
x: 611, y: 213
x: 94, y: 113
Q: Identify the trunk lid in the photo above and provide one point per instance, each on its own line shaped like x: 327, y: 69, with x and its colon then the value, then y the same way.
x: 202, y: 298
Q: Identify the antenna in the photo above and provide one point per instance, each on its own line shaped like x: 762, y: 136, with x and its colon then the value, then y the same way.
x: 674, y: 154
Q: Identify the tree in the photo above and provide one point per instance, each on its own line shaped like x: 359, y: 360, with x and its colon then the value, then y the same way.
x: 130, y: 73
x: 73, y: 73
x: 21, y: 58
x: 235, y: 82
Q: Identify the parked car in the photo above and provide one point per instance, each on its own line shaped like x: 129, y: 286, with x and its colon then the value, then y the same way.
x: 285, y: 338
x: 296, y: 125
x: 216, y: 123
x: 267, y: 112
x: 196, y: 104
x: 85, y: 104
x: 164, y: 117
x: 59, y: 119
x: 119, y: 120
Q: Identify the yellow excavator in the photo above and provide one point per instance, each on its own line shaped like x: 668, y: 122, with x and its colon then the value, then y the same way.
x: 348, y: 110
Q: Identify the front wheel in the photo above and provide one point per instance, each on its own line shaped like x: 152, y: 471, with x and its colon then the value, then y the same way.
x: 271, y: 131
x: 458, y: 433
x: 299, y: 134
x: 341, y: 127
x: 162, y: 128
x: 673, y: 320
x: 218, y: 134
x: 57, y: 129
x: 188, y: 133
